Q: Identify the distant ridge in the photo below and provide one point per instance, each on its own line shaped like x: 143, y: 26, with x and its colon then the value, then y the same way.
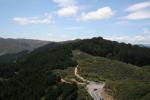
x: 9, y: 45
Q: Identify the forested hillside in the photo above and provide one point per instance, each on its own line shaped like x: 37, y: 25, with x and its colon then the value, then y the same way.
x: 15, y: 57
x: 33, y: 79
x: 29, y: 75
x: 128, y: 53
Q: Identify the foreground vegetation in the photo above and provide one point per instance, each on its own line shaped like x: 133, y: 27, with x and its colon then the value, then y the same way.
x: 123, y: 81
x: 129, y: 89
x: 33, y: 79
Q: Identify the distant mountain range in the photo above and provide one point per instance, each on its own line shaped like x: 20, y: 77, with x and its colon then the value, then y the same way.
x: 9, y: 45
x: 17, y: 45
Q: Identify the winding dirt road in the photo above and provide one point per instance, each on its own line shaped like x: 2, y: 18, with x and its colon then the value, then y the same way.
x: 93, y: 88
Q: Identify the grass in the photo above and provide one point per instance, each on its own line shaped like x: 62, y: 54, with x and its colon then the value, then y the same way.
x: 129, y: 89
x: 68, y: 74
x: 99, y: 68
x: 147, y: 68
x: 120, y: 77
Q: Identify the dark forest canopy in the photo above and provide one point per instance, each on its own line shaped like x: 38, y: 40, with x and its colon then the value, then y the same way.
x: 33, y: 78
x: 133, y: 54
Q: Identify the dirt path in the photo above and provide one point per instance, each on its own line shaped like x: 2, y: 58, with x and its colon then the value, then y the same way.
x: 64, y: 81
x: 78, y: 76
x: 94, y: 89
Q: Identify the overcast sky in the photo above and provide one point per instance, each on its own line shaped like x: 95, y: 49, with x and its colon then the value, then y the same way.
x: 59, y: 20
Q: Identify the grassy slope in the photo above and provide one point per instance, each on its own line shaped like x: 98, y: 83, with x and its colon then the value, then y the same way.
x: 68, y: 74
x: 147, y: 68
x: 126, y: 81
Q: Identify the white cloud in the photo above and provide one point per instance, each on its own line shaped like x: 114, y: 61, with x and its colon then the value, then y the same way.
x: 146, y: 30
x: 58, y: 37
x: 99, y: 14
x: 138, y: 15
x: 138, y: 6
x: 143, y: 38
x: 67, y: 7
x: 138, y: 11
x: 62, y: 37
x: 33, y: 20
x: 68, y: 11
x: 65, y: 3
x: 139, y: 39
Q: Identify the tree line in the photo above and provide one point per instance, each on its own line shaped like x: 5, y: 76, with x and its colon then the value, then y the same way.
x: 128, y: 53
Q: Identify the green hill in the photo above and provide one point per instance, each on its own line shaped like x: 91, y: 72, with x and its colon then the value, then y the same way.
x: 128, y: 53
x: 32, y: 75
x: 126, y: 81
x: 33, y: 78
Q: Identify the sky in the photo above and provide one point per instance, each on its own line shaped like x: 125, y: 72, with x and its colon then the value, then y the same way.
x: 60, y: 20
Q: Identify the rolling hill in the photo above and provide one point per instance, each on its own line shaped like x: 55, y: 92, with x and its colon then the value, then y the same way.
x: 123, y: 81
x: 17, y: 45
x: 119, y: 65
